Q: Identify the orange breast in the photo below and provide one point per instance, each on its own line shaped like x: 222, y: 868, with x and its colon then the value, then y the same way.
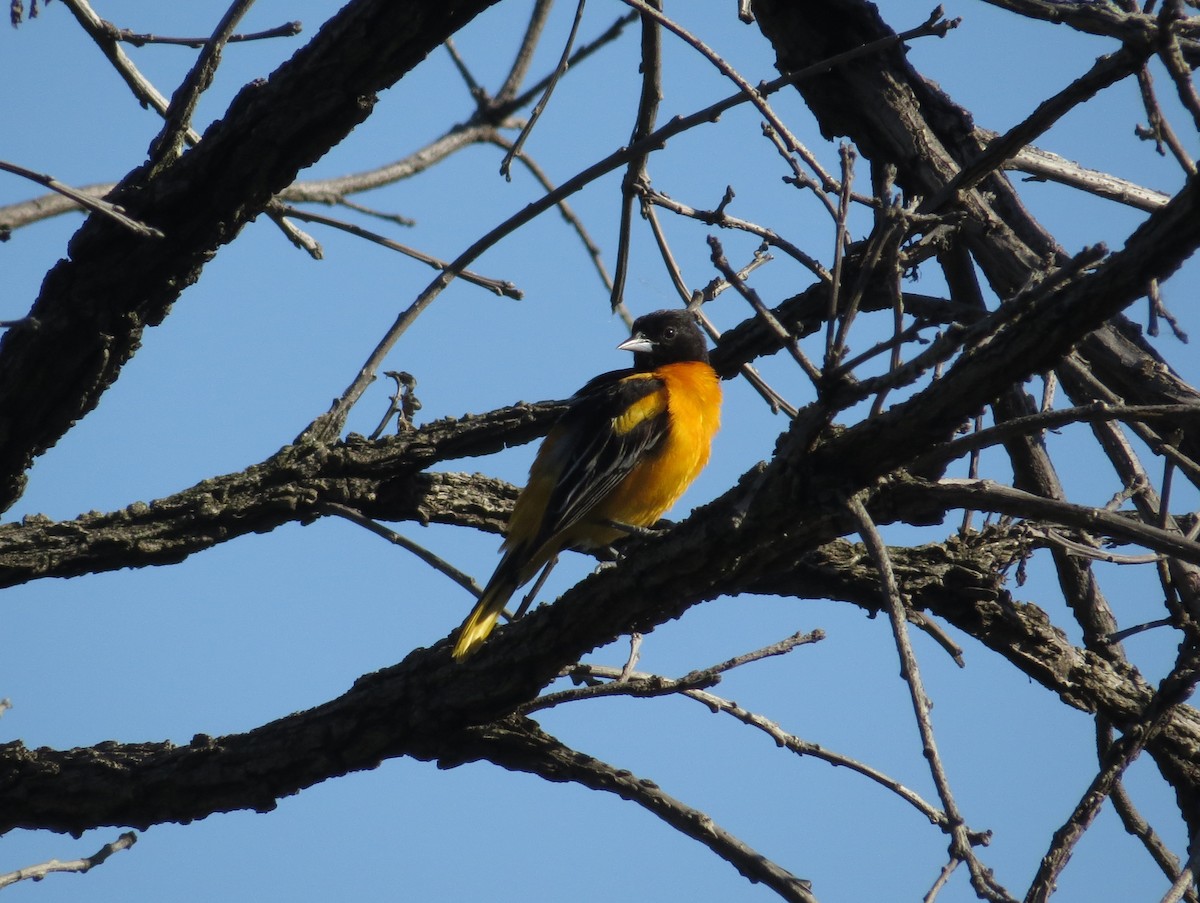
x: 694, y: 411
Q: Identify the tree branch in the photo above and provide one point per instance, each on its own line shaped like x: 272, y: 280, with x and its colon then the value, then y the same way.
x: 380, y: 479
x: 518, y: 744
x: 94, y: 306
x: 86, y: 864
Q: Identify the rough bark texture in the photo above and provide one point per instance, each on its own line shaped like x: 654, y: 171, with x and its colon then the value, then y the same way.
x: 95, y: 304
x: 779, y: 530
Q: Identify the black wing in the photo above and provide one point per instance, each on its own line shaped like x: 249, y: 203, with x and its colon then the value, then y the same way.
x: 612, y: 423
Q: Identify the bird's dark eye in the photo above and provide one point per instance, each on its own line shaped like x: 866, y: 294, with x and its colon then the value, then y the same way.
x: 669, y: 332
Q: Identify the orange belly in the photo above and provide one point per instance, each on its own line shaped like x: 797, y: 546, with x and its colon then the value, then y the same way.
x: 694, y: 405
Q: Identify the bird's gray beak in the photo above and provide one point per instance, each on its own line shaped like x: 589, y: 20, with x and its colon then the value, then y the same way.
x: 636, y: 343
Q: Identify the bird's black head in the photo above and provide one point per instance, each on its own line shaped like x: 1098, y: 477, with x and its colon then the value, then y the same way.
x: 665, y: 337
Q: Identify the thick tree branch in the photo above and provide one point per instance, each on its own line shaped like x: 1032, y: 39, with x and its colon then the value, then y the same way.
x: 381, y: 479
x: 793, y: 502
x: 417, y: 707
x: 893, y: 114
x: 777, y: 531
x: 94, y: 306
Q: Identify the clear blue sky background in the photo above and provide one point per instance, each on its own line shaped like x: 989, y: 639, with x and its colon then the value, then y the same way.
x: 258, y: 628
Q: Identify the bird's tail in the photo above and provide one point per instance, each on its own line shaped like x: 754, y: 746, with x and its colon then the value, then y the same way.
x: 479, y: 623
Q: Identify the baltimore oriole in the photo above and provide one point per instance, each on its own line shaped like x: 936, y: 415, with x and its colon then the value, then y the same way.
x: 630, y: 442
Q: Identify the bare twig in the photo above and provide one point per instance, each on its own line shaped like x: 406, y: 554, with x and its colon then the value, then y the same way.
x: 524, y: 57
x: 1054, y: 419
x: 610, y: 34
x: 892, y: 223
x: 961, y: 846
x: 942, y: 879
x: 38, y: 872
x: 668, y: 259
x: 1081, y: 373
x: 1160, y: 130
x: 635, y: 684
x: 404, y: 402
x: 1184, y: 887
x: 936, y: 633
x: 800, y: 178
x: 466, y: 581
x: 139, y: 39
x: 100, y: 32
x: 518, y: 744
x: 773, y: 399
x: 723, y: 67
x: 1127, y: 21
x: 1120, y: 636
x: 293, y: 233
x: 957, y: 336
x: 327, y: 425
x: 177, y: 113
x: 783, y: 647
x: 496, y: 286
x: 600, y: 681
x: 1052, y: 167
x: 764, y: 313
x: 883, y: 178
x: 895, y: 342
x: 755, y: 96
x: 1172, y: 56
x: 394, y: 218
x: 1174, y: 689
x: 1086, y: 551
x: 656, y: 686
x: 595, y: 254
x: 988, y: 495
x: 475, y: 89
x: 847, y: 156
x: 636, y: 172
x: 335, y: 190
x: 1159, y: 309
x: 723, y: 220
x: 1105, y: 72
x: 83, y: 199
x: 320, y: 191
x: 177, y: 117
x: 1136, y: 825
x: 535, y: 115
x: 635, y: 653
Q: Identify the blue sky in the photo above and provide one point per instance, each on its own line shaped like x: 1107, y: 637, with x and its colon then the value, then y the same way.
x: 255, y: 629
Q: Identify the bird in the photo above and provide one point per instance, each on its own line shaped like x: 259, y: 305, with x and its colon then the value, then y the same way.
x: 625, y: 449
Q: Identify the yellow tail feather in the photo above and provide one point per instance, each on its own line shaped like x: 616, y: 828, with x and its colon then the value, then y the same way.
x: 482, y: 620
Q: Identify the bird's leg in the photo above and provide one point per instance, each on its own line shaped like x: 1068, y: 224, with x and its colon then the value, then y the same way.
x: 633, y: 529
x: 611, y: 554
x: 537, y: 586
